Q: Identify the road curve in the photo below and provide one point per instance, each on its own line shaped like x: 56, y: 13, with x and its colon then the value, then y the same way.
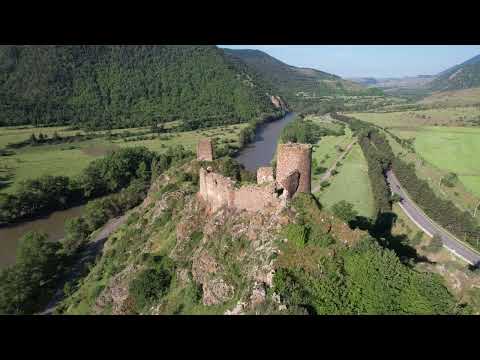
x: 428, y: 226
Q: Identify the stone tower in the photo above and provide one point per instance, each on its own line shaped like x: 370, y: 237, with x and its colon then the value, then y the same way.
x: 205, y: 150
x: 295, y: 157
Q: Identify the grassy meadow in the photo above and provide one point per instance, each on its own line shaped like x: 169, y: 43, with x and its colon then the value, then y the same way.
x: 351, y: 184
x: 69, y: 159
x: 439, y: 149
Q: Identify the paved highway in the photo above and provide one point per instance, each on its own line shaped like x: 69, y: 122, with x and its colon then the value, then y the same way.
x: 429, y: 227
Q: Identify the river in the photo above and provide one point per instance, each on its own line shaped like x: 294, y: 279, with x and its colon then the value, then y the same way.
x: 261, y: 151
x: 52, y: 225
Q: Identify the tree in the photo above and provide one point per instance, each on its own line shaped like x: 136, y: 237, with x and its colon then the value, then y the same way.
x: 396, y: 198
x: 76, y: 232
x: 28, y: 285
x: 345, y: 211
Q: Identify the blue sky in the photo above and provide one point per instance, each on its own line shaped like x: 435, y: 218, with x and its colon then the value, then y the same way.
x: 370, y: 60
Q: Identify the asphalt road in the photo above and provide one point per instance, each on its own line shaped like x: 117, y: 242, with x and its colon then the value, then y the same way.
x: 429, y: 227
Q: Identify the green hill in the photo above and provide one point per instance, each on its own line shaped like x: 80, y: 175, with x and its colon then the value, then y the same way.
x: 104, y: 86
x: 462, y: 76
x: 296, y: 83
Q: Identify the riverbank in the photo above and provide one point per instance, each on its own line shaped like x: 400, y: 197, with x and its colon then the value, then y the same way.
x: 261, y: 150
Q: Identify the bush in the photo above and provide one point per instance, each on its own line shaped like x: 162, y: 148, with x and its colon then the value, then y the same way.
x: 296, y: 234
x: 152, y: 284
x: 76, y: 233
x: 320, y: 170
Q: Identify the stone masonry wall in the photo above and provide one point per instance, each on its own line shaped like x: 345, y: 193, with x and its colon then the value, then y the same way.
x: 291, y: 157
x: 219, y: 191
x: 216, y: 189
x: 254, y: 198
x: 265, y: 175
x: 293, y: 175
x: 205, y: 150
x: 290, y: 184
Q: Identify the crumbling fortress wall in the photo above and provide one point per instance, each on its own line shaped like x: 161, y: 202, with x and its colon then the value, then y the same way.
x: 293, y: 175
x: 295, y: 157
x: 205, y: 150
x: 265, y: 175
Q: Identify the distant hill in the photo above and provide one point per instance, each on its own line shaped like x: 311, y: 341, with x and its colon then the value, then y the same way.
x: 408, y: 82
x: 463, y: 76
x: 293, y: 82
x: 106, y: 86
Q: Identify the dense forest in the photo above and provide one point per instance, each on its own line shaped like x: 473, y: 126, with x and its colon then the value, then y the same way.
x: 103, y: 86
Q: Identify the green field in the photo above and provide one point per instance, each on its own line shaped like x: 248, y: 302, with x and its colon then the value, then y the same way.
x: 458, y: 116
x: 351, y: 184
x: 453, y: 149
x: 69, y: 159
x: 439, y: 149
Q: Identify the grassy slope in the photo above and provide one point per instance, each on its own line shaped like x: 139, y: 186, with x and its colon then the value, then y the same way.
x: 454, y: 98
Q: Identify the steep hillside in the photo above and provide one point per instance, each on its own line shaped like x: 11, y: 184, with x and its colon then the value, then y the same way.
x: 104, y: 86
x: 297, y: 83
x: 462, y: 76
x: 189, y: 260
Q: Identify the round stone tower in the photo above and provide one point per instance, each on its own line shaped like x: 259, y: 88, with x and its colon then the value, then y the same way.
x: 295, y: 157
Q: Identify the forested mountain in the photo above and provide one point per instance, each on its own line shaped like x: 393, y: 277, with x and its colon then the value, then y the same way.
x: 103, y: 86
x: 297, y: 83
x: 463, y: 76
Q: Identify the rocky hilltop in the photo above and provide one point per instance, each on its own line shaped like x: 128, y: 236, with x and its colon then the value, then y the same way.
x: 202, y: 242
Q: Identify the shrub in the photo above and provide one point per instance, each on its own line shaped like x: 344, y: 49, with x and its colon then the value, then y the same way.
x: 152, y: 284
x: 296, y: 234
x: 345, y: 211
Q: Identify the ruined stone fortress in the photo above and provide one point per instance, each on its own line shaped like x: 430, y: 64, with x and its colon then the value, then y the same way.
x: 293, y: 175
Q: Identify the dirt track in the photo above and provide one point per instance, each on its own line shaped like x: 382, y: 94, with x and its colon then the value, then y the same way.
x: 328, y: 173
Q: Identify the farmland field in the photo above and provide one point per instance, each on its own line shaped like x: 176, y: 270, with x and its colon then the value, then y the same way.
x: 351, y: 184
x: 69, y: 159
x: 455, y: 116
x: 455, y: 150
x: 439, y: 149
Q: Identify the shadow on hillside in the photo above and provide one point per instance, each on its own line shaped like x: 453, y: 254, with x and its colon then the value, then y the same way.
x: 381, y: 230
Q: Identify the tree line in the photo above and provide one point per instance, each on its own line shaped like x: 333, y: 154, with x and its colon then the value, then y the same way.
x: 380, y: 158
x: 460, y: 223
x: 306, y: 132
x: 115, y: 171
x: 378, y: 154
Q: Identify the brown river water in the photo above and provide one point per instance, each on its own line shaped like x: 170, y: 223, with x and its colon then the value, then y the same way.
x: 259, y: 153
x: 53, y: 226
